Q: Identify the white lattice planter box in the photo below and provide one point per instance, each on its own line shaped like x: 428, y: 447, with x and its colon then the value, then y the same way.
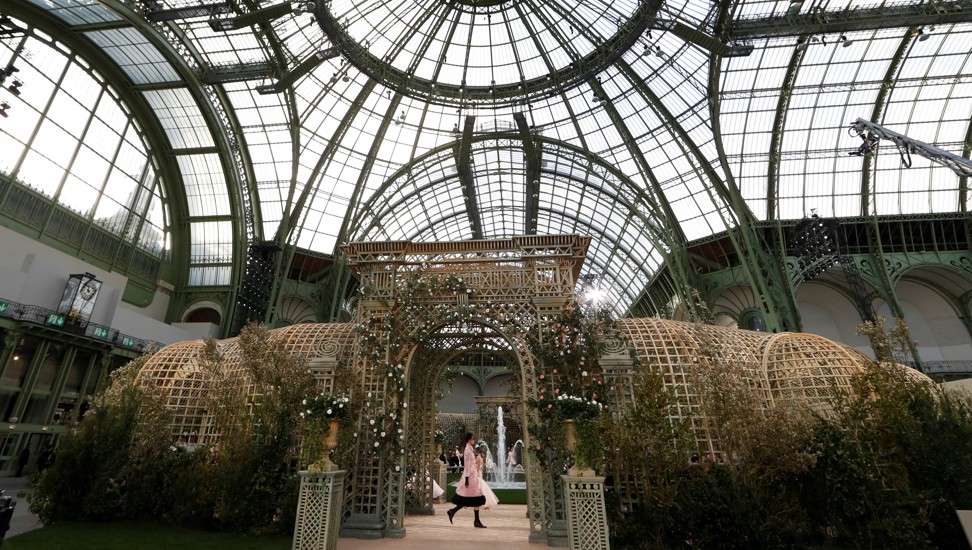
x: 318, y: 510
x: 587, y: 527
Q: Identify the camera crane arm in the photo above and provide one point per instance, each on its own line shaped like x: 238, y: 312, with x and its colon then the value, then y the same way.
x: 871, y: 133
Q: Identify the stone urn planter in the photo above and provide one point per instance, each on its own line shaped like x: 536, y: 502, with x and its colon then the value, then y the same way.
x: 330, y: 443
x: 580, y: 467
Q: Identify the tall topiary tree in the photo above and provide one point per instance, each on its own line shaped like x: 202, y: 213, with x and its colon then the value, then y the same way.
x: 256, y: 457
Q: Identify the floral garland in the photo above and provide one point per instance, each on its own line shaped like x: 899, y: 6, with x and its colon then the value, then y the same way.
x: 385, y: 342
x: 326, y: 406
x: 567, y: 348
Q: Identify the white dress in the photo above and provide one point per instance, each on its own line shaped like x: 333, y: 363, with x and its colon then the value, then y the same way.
x: 491, y: 499
x: 436, y: 490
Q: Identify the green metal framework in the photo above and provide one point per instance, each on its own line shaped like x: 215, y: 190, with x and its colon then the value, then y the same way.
x: 707, y: 130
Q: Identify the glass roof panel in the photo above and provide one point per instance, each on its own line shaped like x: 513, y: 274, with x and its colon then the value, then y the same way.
x: 134, y: 54
x: 78, y: 12
x: 210, y: 275
x: 481, y: 45
x: 84, y: 150
x: 205, y: 185
x: 381, y: 156
x: 180, y: 117
x: 212, y: 242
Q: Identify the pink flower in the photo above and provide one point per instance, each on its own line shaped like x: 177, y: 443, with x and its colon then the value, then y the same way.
x: 541, y: 377
x: 549, y: 405
x: 555, y: 371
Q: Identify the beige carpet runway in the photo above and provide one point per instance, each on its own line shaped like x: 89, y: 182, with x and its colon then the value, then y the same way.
x: 507, y: 528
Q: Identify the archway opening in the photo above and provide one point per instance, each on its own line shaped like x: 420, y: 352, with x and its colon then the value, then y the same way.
x: 477, y: 354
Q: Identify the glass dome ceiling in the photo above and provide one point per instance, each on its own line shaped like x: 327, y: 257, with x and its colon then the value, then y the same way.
x: 647, y: 125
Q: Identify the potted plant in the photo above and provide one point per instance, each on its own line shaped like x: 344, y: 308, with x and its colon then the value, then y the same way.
x: 580, y: 414
x: 331, y: 409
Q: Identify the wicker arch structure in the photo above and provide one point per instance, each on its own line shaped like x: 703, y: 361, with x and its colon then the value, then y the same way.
x: 177, y: 371
x: 428, y: 364
x: 418, y: 302
x: 422, y: 304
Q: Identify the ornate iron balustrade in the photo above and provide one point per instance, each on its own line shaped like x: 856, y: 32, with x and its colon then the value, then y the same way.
x: 38, y: 315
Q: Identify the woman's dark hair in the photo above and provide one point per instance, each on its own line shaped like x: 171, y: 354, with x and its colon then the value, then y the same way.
x: 469, y: 435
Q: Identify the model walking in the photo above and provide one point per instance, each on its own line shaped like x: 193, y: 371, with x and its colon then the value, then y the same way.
x: 469, y: 494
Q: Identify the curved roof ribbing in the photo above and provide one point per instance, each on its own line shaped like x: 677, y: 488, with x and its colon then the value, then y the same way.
x: 614, y: 119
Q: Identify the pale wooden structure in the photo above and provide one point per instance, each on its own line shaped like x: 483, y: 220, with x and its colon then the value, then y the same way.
x: 402, y: 339
x: 318, y: 510
x: 587, y: 525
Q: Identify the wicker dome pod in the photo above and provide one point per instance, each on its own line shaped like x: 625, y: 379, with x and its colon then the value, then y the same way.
x: 314, y: 340
x: 672, y: 347
x: 176, y: 370
x: 806, y: 369
x: 910, y: 374
x: 784, y: 369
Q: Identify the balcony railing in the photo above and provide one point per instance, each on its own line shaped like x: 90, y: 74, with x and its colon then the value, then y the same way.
x: 48, y: 317
x: 947, y: 367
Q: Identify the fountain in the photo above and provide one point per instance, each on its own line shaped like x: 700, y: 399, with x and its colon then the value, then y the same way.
x: 503, y: 472
x: 501, y: 475
x: 504, y: 468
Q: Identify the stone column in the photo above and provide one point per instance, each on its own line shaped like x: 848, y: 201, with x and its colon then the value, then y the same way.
x: 319, y: 510
x: 587, y: 527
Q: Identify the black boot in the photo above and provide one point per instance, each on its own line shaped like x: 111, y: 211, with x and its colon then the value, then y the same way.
x: 478, y: 523
x: 452, y: 512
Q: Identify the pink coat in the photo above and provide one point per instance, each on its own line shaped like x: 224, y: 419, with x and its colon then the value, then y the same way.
x: 470, y: 471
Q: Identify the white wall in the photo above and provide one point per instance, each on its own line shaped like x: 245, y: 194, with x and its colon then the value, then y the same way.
x: 500, y: 385
x: 933, y: 324
x: 460, y: 398
x: 830, y: 314
x: 32, y: 273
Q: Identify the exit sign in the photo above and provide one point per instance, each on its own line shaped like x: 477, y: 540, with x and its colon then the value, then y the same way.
x: 100, y: 332
x: 128, y: 342
x: 55, y: 319
x: 3, y: 307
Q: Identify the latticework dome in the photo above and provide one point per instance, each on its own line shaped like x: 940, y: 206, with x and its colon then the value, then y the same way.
x: 790, y: 369
x: 176, y: 371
